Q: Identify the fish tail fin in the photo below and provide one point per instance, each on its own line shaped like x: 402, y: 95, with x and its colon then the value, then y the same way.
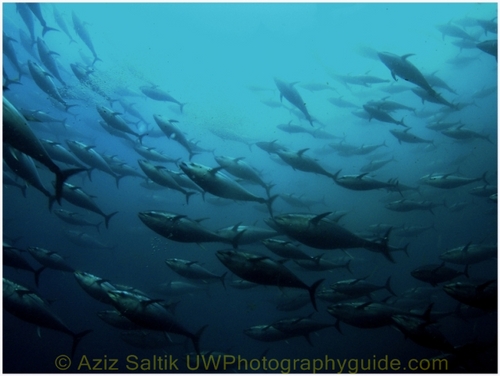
x: 223, y: 279
x: 189, y: 194
x: 312, y: 292
x: 96, y: 59
x: 388, y: 286
x: 196, y: 339
x: 141, y: 136
x: 269, y: 203
x: 117, y: 178
x: 68, y: 106
x: 37, y: 274
x: 77, y: 337
x: 46, y: 29
x: 384, y: 246
x: 107, y: 218
x: 61, y: 176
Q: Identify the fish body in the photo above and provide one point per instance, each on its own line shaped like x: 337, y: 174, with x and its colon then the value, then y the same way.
x: 192, y: 270
x: 469, y: 254
x: 362, y: 183
x: 113, y: 119
x: 482, y: 295
x: 381, y: 115
x: 264, y: 271
x: 319, y: 232
x: 28, y: 306
x: 150, y: 314
x: 157, y: 94
x: 48, y: 60
x: 84, y: 35
x: 50, y: 259
x: 298, y: 161
x: 179, y: 228
x: 292, y: 95
x: 173, y: 132
x: 408, y: 137
x: 401, y: 67
x: 405, y: 205
x: 74, y: 218
x: 449, y: 181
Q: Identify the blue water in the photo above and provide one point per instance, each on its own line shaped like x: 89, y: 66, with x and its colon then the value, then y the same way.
x: 221, y: 60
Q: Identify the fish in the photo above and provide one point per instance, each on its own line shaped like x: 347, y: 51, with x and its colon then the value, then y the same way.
x: 44, y: 81
x: 212, y: 180
x: 117, y: 320
x: 83, y: 74
x: 469, y: 254
x: 264, y: 271
x: 292, y: 95
x: 266, y: 333
x: 62, y: 24
x: 161, y: 176
x: 318, y: 263
x: 152, y: 154
x: 89, y: 156
x: 8, y: 179
x: 24, y: 167
x: 11, y: 256
x: 270, y: 147
x: 285, y: 249
x: 484, y: 190
x: 36, y: 8
x: 174, y: 133
x: 18, y: 134
x: 94, y: 286
x: 249, y: 234
x: 27, y: 16
x: 180, y: 288
x: 435, y: 274
x: 159, y: 95
x: 84, y: 35
x: 192, y: 270
x: 479, y: 295
x: 48, y: 60
x: 461, y: 133
x: 9, y: 51
x: 360, y: 183
x: 78, y: 197
x: 405, y: 205
x: 422, y: 332
x: 75, y: 218
x: 401, y: 67
x: 450, y: 181
x: 28, y: 306
x: 380, y: 115
x: 300, y: 326
x: 114, y: 120
x: 342, y: 103
x: 151, y: 314
x: 239, y: 168
x: 490, y: 47
x: 50, y: 259
x: 298, y: 161
x: 300, y: 201
x: 352, y: 289
x: 180, y: 228
x: 433, y: 98
x: 453, y: 31
x: 376, y: 164
x: 389, y: 106
x: 406, y: 136
x: 85, y: 240
x: 435, y: 81
x: 319, y: 232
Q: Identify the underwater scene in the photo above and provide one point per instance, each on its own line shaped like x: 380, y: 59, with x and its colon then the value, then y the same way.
x: 250, y: 187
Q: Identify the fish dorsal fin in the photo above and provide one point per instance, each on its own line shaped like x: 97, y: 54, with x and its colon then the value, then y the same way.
x: 319, y: 217
x: 317, y: 259
x: 361, y: 176
x: 302, y: 151
x: 404, y: 57
x: 236, y: 160
x: 214, y: 170
x: 235, y: 227
x: 294, y: 83
x: 178, y: 217
x: 145, y: 303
